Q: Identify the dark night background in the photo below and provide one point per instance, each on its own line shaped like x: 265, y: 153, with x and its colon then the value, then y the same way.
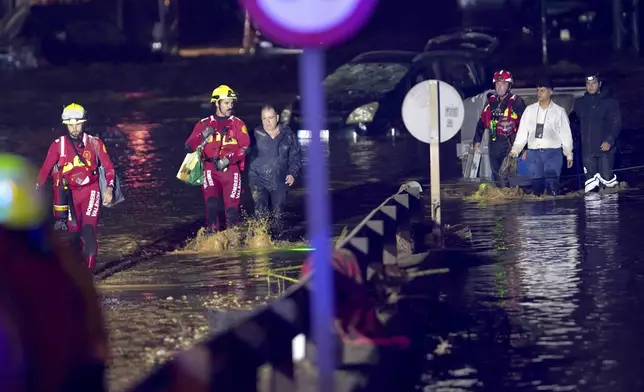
x: 396, y: 24
x: 556, y: 310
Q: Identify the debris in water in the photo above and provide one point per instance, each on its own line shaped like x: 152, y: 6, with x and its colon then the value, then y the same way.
x: 252, y: 234
x: 443, y: 347
x: 259, y: 238
x: 488, y: 193
x: 343, y: 234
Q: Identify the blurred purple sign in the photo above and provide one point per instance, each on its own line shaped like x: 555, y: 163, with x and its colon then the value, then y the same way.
x: 309, y: 23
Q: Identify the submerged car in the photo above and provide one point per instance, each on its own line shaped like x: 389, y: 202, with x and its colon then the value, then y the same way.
x: 366, y: 94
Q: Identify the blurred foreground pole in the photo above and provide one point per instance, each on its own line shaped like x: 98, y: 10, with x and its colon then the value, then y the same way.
x: 544, y: 33
x: 318, y: 213
x: 313, y: 26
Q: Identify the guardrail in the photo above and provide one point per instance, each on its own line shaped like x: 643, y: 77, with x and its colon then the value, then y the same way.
x: 256, y: 352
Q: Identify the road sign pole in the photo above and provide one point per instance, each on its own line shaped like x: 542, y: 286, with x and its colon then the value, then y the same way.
x: 318, y: 213
x: 434, y: 150
x: 433, y: 112
x: 313, y: 25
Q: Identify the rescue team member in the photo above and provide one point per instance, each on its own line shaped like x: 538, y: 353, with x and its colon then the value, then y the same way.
x: 52, y: 336
x: 78, y: 156
x: 600, y: 123
x: 226, y: 141
x: 500, y: 117
x: 276, y: 163
x: 546, y: 129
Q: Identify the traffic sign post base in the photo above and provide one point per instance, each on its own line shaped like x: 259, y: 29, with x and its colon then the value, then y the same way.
x: 434, y: 149
x: 435, y: 188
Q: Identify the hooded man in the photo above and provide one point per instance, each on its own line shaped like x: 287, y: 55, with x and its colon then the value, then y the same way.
x: 600, y: 124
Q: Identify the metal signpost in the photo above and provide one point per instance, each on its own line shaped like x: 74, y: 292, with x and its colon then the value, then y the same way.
x: 433, y: 112
x: 313, y: 25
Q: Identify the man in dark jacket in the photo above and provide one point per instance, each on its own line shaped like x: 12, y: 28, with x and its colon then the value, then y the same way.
x: 275, y: 164
x: 500, y: 117
x: 600, y: 123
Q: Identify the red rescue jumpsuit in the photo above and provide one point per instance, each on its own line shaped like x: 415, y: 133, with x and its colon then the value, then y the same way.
x: 230, y: 140
x: 80, y: 174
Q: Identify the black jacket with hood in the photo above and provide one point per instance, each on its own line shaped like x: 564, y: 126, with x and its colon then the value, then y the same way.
x: 600, y: 120
x: 271, y: 160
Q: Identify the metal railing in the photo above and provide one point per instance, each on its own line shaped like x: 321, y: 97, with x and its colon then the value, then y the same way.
x: 256, y: 352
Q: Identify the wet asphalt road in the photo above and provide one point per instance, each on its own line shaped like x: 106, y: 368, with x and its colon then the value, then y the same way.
x: 557, y: 311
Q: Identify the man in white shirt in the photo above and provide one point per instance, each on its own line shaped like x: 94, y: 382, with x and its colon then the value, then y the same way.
x: 546, y: 128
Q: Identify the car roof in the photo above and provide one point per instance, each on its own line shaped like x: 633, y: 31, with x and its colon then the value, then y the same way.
x: 385, y: 56
x: 470, y: 54
x: 461, y: 39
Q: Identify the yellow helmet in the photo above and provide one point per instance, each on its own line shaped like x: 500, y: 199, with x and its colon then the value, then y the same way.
x: 74, y: 114
x: 21, y: 204
x: 223, y: 92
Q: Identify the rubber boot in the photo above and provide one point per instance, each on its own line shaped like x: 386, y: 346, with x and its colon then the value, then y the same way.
x: 91, y: 262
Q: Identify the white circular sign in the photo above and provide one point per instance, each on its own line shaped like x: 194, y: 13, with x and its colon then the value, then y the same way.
x: 417, y: 111
x: 309, y: 22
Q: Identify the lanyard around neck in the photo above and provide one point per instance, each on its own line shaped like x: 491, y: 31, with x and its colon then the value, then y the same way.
x: 545, y: 114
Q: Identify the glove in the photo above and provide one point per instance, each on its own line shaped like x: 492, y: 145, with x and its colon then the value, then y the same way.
x: 508, y: 167
x: 221, y: 164
x: 206, y: 133
x: 60, y: 225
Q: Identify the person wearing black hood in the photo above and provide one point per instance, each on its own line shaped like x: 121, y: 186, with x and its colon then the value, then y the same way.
x: 276, y: 161
x: 600, y: 124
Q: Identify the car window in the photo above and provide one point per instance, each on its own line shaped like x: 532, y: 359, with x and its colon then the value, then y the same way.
x: 366, y: 77
x: 457, y: 73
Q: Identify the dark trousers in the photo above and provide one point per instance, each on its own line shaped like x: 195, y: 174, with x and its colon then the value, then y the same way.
x: 545, y: 169
x: 499, y: 149
x: 598, y: 167
x: 270, y: 201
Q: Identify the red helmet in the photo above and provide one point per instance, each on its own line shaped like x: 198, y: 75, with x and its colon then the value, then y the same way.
x: 502, y: 76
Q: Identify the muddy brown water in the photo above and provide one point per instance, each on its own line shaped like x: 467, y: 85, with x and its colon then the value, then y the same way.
x: 558, y: 310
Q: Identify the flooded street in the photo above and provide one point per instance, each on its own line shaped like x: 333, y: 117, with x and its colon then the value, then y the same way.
x: 557, y: 311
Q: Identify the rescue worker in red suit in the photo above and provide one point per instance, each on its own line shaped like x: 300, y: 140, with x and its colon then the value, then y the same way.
x: 225, y: 141
x: 77, y: 157
x: 500, y: 118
